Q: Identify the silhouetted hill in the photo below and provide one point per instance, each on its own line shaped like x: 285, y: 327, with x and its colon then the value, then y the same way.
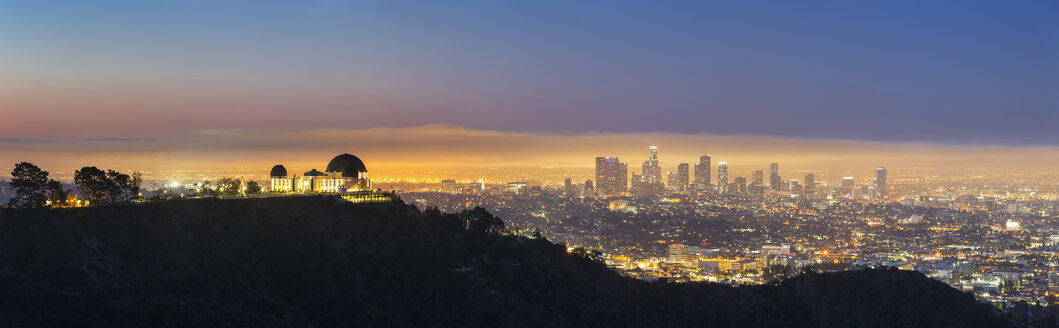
x: 312, y: 261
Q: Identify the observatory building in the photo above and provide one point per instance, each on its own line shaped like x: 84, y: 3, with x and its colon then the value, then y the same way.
x: 345, y: 173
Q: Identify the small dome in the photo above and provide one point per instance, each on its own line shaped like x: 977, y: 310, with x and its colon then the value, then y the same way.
x: 341, y: 162
x: 278, y: 171
x: 315, y: 173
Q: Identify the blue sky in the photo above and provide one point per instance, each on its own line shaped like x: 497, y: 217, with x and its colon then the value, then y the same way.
x: 953, y: 72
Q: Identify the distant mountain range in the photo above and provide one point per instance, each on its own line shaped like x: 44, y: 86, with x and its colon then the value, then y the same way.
x: 321, y: 262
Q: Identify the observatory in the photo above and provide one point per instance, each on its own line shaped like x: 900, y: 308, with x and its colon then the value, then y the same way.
x: 344, y: 173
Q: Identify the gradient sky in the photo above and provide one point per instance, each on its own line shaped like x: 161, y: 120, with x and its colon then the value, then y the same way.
x: 949, y: 72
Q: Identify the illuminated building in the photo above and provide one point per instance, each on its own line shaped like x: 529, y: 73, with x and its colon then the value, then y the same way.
x: 643, y: 186
x: 1011, y: 225
x: 651, y: 170
x: 448, y: 186
x: 517, y: 187
x: 345, y: 173
x: 722, y: 177
x: 757, y: 183
x: 849, y: 187
x: 738, y: 185
x: 880, y: 181
x: 810, y: 184
x: 702, y: 173
x: 590, y: 190
x: 776, y: 249
x: 774, y: 176
x: 568, y: 188
x: 678, y: 180
x: 651, y: 179
x: 612, y: 176
x: 678, y: 253
x: 671, y: 179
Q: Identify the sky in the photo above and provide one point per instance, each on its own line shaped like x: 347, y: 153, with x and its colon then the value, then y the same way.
x: 950, y: 74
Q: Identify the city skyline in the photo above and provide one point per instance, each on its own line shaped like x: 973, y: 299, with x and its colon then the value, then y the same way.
x: 418, y: 148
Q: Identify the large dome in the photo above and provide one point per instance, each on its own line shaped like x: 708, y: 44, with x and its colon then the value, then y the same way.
x: 278, y: 171
x: 341, y: 162
x: 351, y: 172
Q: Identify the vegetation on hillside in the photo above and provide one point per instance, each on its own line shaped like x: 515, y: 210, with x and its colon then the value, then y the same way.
x: 318, y: 261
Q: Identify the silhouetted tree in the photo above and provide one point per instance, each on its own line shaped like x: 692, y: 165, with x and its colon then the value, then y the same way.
x: 229, y: 186
x: 252, y: 188
x: 59, y: 196
x: 101, y: 187
x: 480, y: 220
x: 30, y: 184
x: 119, y: 186
x: 92, y: 183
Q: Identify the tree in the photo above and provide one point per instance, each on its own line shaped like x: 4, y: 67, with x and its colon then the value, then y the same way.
x: 133, y: 187
x: 30, y: 184
x: 92, y: 184
x: 478, y: 219
x: 252, y: 188
x: 111, y: 186
x: 57, y: 195
x: 229, y: 185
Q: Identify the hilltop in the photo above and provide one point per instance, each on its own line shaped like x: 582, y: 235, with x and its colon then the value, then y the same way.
x: 315, y: 261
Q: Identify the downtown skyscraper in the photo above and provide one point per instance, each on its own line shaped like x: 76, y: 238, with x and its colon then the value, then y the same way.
x: 774, y: 176
x: 679, y: 180
x: 652, y: 171
x: 702, y: 173
x: 757, y: 183
x: 880, y: 181
x: 722, y: 177
x: 612, y: 176
x: 650, y: 181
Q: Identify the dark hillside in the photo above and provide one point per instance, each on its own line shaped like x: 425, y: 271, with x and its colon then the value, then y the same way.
x: 312, y: 261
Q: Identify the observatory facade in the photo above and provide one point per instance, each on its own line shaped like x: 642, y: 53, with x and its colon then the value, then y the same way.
x: 345, y: 173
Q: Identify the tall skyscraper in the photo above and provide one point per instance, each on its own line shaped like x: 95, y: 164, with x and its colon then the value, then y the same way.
x: 673, y: 182
x: 612, y: 176
x: 568, y: 188
x: 652, y: 172
x: 650, y: 182
x: 702, y: 173
x: 722, y: 177
x: 738, y: 185
x: 880, y: 181
x: 849, y: 187
x: 757, y: 183
x: 774, y: 176
x: 810, y: 184
x: 683, y: 177
x: 590, y: 189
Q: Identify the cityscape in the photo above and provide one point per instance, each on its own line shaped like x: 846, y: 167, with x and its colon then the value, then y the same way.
x: 529, y: 164
x: 994, y: 236
x: 997, y: 240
